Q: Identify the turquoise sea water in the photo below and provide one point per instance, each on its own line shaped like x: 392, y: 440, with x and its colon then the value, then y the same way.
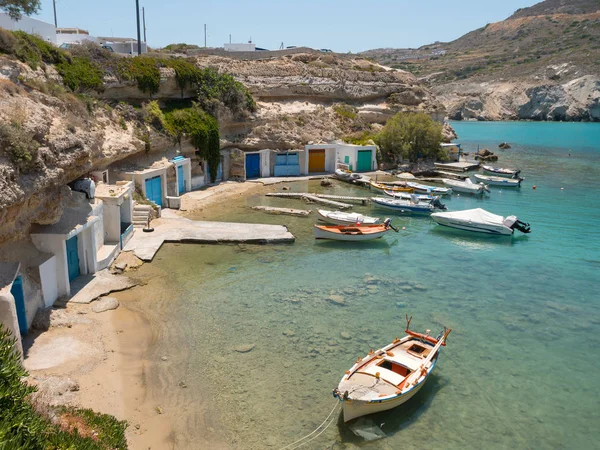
x: 521, y: 366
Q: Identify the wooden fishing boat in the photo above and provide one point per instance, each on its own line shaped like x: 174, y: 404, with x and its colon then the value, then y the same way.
x: 345, y: 218
x: 498, y: 181
x: 351, y: 177
x: 390, y: 376
x: 382, y: 187
x: 481, y: 221
x: 501, y: 172
x: 425, y: 189
x: 353, y: 233
x: 410, y: 206
x: 467, y: 186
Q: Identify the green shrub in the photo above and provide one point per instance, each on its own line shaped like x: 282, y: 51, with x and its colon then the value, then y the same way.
x: 81, y: 74
x: 22, y: 427
x: 142, y: 69
x: 19, y: 146
x: 345, y: 112
x: 201, y: 129
x: 154, y: 116
x: 33, y: 50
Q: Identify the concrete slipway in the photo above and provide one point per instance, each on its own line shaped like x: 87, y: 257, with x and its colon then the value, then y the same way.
x: 146, y: 245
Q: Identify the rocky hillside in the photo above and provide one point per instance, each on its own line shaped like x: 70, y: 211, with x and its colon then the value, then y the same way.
x: 63, y: 115
x: 542, y: 63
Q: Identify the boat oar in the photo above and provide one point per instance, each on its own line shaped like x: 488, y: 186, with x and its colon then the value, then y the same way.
x: 414, y: 377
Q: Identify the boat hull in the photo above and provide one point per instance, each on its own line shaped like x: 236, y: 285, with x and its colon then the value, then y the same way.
x: 499, y: 173
x: 325, y: 234
x: 464, y: 188
x: 333, y: 220
x: 499, y: 181
x: 396, y: 205
x: 473, y: 227
x: 353, y: 408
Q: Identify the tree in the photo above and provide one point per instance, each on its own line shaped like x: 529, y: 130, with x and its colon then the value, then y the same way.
x: 410, y: 136
x: 16, y: 8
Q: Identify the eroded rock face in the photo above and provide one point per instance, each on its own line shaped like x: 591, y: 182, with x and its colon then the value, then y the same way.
x: 575, y: 100
x: 72, y: 142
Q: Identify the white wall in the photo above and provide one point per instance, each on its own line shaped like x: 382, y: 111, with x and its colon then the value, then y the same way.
x: 112, y: 222
x: 48, y: 281
x: 265, y: 163
x: 187, y: 174
x: 46, y: 31
x: 240, y: 47
x: 8, y: 317
x: 125, y: 48
x: 55, y: 245
x: 74, y: 38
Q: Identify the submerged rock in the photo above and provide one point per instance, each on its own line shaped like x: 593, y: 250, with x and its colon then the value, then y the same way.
x: 244, y: 348
x: 336, y: 300
x: 345, y: 335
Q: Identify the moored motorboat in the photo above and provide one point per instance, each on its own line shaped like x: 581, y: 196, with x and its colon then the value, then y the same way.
x: 353, y: 232
x: 498, y: 181
x: 390, y: 376
x: 345, y: 218
x: 481, y: 221
x: 382, y: 187
x: 407, y: 196
x: 432, y: 190
x: 501, y: 172
x: 410, y: 206
x: 467, y: 186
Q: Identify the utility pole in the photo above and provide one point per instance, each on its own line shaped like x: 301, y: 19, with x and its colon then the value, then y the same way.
x: 55, y: 21
x: 139, y: 37
x: 144, y: 22
x: 230, y: 38
x: 204, y: 35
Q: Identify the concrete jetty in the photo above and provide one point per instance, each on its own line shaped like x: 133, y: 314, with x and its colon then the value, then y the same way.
x: 146, y: 245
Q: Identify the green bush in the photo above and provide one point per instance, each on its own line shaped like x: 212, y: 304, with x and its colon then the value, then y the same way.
x: 22, y: 427
x: 81, y: 75
x: 142, y: 69
x: 345, y: 112
x: 19, y: 146
x: 33, y: 50
x: 201, y: 129
x: 154, y: 116
x: 410, y: 136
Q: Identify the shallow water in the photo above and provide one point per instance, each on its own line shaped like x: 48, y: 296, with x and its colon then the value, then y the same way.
x: 520, y: 366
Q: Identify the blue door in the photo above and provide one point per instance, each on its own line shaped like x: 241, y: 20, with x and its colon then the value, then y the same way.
x: 72, y: 258
x: 17, y: 292
x: 253, y: 165
x: 180, y: 180
x: 154, y: 190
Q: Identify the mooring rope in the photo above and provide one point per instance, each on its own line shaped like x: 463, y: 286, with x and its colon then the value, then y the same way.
x: 291, y: 446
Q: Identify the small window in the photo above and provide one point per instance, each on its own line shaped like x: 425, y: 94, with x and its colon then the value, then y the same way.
x: 417, y: 349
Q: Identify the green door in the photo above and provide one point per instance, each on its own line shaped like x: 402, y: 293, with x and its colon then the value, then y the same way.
x: 364, y: 161
x: 72, y: 258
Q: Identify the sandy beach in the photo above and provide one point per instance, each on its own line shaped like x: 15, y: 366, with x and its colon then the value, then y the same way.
x: 102, y: 361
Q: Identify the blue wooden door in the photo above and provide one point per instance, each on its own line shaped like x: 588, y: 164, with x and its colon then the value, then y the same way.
x: 253, y: 165
x: 154, y: 190
x: 180, y: 180
x: 17, y: 292
x: 72, y: 258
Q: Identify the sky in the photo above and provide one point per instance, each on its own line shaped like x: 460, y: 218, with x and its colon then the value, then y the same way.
x: 340, y: 25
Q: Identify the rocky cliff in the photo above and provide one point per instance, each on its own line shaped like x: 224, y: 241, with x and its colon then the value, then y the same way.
x: 65, y: 137
x: 542, y: 63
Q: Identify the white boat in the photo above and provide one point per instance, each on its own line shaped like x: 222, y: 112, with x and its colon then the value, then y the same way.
x: 390, y: 376
x: 351, y: 177
x: 501, y: 172
x: 345, y: 218
x: 407, y: 196
x: 466, y: 186
x: 432, y: 190
x: 481, y: 221
x: 410, y: 206
x: 498, y: 181
x: 353, y: 233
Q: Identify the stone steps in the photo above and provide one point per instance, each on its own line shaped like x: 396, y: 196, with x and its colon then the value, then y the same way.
x: 140, y: 215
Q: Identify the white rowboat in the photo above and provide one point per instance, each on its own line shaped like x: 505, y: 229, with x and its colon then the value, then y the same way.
x: 499, y: 181
x: 481, y: 221
x: 353, y: 233
x: 501, y: 172
x: 344, y: 218
x: 467, y: 186
x: 432, y: 190
x: 409, y: 206
x: 390, y: 376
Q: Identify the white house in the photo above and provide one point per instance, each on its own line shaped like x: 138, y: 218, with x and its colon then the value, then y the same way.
x: 73, y: 36
x: 151, y: 182
x: 324, y: 158
x: 45, y: 30
x: 244, y: 47
x: 117, y: 219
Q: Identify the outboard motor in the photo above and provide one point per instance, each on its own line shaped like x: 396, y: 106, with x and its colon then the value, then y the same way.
x: 515, y: 224
x: 436, y: 203
x: 388, y: 224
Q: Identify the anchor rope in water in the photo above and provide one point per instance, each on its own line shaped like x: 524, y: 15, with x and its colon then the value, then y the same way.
x: 498, y: 411
x: 291, y: 446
